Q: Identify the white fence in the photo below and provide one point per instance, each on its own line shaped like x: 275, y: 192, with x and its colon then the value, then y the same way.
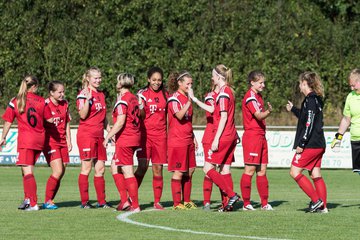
x: 280, y: 144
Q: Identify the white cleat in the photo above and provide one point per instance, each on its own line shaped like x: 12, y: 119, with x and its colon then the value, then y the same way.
x: 323, y: 211
x: 248, y: 207
x: 267, y: 207
x: 34, y: 208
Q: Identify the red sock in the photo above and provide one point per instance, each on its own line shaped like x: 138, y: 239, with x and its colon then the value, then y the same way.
x: 186, y: 185
x: 30, y: 188
x: 57, y: 188
x: 139, y: 178
x: 230, y: 183
x: 307, y: 187
x: 51, y: 185
x: 176, y: 191
x: 245, y: 186
x: 83, y: 188
x: 219, y: 180
x: 157, y: 188
x: 132, y: 188
x: 207, y: 189
x: 320, y: 187
x: 262, y: 184
x: 99, y: 183
x: 120, y: 185
x: 26, y: 195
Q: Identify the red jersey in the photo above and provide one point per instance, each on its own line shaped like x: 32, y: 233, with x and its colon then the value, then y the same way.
x: 93, y: 125
x: 31, y: 131
x: 180, y: 132
x: 129, y: 135
x: 154, y: 123
x: 251, y: 103
x: 55, y: 133
x: 208, y: 133
x: 225, y: 102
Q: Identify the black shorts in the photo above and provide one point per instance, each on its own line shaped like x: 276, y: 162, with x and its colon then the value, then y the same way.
x: 355, y: 153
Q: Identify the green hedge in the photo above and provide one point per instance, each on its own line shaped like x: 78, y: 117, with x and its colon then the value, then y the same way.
x: 59, y: 40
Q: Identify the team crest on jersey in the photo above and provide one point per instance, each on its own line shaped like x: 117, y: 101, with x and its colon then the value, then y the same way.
x: 156, y: 100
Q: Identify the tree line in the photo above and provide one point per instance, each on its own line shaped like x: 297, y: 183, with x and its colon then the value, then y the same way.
x: 59, y: 40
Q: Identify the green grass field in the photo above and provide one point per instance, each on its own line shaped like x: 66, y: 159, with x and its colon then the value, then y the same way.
x: 288, y: 221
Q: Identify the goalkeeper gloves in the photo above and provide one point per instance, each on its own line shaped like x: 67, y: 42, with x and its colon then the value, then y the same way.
x: 336, y: 142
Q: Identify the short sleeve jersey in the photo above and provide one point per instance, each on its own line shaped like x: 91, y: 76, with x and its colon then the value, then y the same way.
x: 225, y: 102
x: 31, y: 131
x: 55, y: 133
x: 129, y: 135
x: 93, y: 125
x: 208, y: 133
x: 251, y: 103
x: 180, y: 132
x: 155, y: 103
x: 352, y: 110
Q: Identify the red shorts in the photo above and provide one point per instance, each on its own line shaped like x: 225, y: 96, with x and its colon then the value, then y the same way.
x: 181, y: 158
x: 255, y: 149
x: 154, y: 149
x: 52, y: 153
x: 309, y: 158
x: 91, y: 148
x: 224, y: 154
x: 27, y: 157
x: 124, y: 156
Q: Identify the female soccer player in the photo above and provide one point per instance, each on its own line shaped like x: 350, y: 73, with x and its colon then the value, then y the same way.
x: 127, y: 130
x: 351, y: 117
x: 224, y: 136
x: 153, y: 101
x: 310, y: 141
x: 30, y: 112
x: 90, y: 136
x: 254, y: 143
x: 181, y: 141
x: 57, y: 140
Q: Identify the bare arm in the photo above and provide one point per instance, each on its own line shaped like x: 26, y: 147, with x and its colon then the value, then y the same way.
x: 180, y: 115
x: 119, y: 124
x: 344, y: 124
x: 5, y: 131
x: 68, y: 136
x: 262, y: 115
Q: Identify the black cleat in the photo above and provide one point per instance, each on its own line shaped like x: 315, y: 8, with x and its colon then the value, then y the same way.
x: 315, y: 206
x: 232, y: 201
x: 87, y: 205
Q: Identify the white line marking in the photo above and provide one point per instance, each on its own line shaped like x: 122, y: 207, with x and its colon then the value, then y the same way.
x: 124, y: 218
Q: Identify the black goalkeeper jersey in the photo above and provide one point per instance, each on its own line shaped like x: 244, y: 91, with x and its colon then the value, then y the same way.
x: 309, y: 131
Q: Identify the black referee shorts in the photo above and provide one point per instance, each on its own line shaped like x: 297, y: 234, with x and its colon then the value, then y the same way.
x: 355, y: 152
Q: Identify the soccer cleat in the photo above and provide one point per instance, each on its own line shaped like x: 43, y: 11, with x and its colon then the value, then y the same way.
x: 123, y: 207
x: 158, y: 206
x: 49, y: 205
x: 221, y: 209
x: 249, y: 207
x: 267, y: 207
x: 190, y: 205
x: 87, y: 205
x: 105, y: 205
x: 24, y: 204
x: 315, y: 206
x: 232, y: 201
x: 322, y: 210
x: 32, y: 208
x: 206, y: 207
x: 179, y: 207
x: 134, y: 210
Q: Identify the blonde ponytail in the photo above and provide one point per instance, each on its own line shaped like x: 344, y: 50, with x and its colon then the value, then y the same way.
x: 87, y: 74
x: 26, y: 83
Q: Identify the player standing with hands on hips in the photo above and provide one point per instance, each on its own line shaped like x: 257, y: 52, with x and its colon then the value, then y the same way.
x: 309, y: 141
x: 351, y: 116
x: 254, y: 142
x: 30, y: 112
